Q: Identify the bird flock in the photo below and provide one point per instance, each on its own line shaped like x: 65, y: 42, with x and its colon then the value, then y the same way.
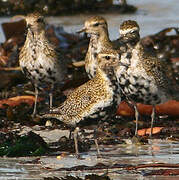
x: 126, y: 72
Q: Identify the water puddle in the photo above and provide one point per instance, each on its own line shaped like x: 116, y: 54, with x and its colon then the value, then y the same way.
x: 13, y: 168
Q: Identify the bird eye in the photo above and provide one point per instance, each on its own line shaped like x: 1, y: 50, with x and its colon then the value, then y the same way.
x: 96, y: 24
x: 107, y: 57
x: 40, y: 19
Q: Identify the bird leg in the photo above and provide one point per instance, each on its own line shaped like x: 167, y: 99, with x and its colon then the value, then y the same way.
x: 132, y: 104
x: 51, y: 96
x: 136, y: 117
x: 70, y: 135
x: 96, y: 142
x: 75, y: 136
x: 35, y: 104
x: 50, y: 99
x: 152, y: 121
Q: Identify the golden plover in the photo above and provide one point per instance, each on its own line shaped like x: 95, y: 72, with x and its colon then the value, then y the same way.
x: 97, y: 98
x: 142, y: 77
x: 39, y: 59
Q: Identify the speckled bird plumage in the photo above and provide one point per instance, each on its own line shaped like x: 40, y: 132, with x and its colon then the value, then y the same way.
x: 97, y: 98
x: 144, y: 78
x: 39, y: 59
x: 97, y: 28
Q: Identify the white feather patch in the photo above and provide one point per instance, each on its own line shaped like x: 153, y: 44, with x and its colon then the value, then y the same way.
x: 125, y: 31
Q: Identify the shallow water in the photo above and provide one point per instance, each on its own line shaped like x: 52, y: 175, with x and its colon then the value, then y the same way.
x: 158, y: 151
x: 152, y: 17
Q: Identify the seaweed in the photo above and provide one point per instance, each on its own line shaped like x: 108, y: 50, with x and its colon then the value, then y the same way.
x: 26, y: 145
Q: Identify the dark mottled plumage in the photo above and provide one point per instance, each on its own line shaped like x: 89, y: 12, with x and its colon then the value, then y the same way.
x: 143, y: 79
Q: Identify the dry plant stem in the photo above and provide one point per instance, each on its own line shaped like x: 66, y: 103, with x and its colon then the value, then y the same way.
x: 79, y: 63
x: 157, y: 165
x: 10, y: 68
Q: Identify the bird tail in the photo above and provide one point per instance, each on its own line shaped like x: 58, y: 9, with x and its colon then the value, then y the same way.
x: 50, y: 114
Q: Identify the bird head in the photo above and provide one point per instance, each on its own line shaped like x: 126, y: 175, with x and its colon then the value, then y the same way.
x: 129, y: 30
x: 108, y: 60
x: 94, y: 25
x: 34, y: 21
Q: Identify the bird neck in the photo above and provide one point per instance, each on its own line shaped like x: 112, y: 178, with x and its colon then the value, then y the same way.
x: 100, y: 41
x: 103, y: 37
x: 36, y: 35
x: 93, y: 41
x: 100, y: 74
x: 131, y: 41
x: 106, y: 73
